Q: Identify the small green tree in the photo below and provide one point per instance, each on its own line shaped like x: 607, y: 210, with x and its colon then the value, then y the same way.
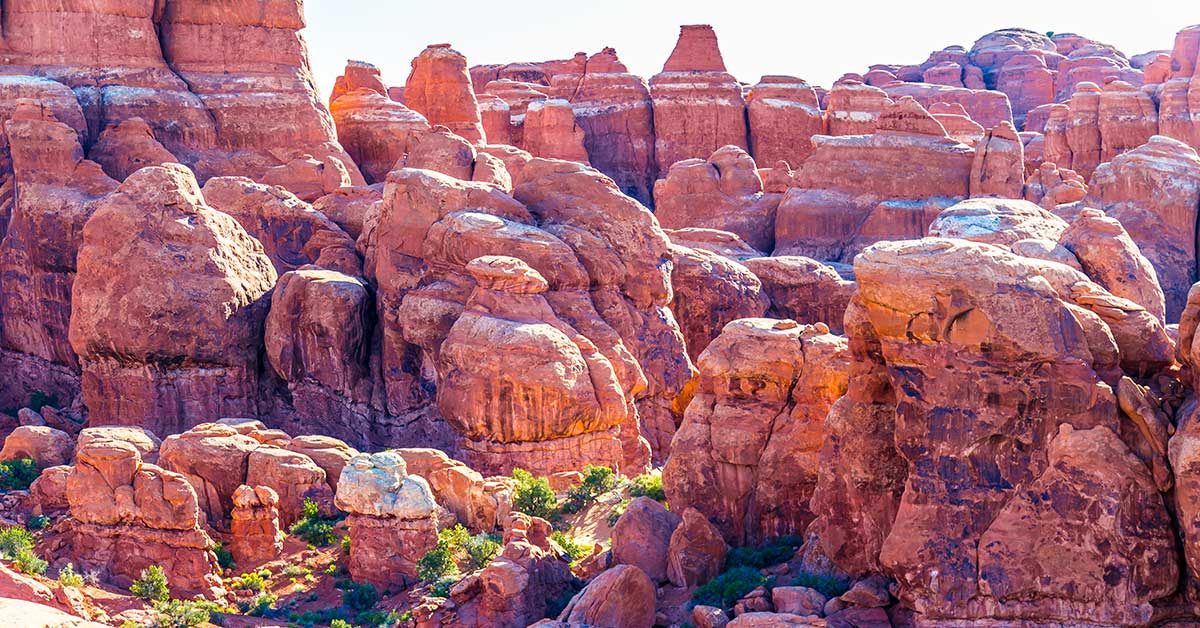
x: 17, y: 475
x: 533, y: 496
x: 14, y: 539
x: 151, y: 585
x: 481, y: 549
x: 436, y: 563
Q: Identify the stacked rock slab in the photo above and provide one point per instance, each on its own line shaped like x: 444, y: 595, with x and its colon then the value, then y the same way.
x: 392, y: 519
x: 698, y: 106
x: 255, y: 527
x: 127, y: 515
x: 855, y: 190
x: 616, y: 113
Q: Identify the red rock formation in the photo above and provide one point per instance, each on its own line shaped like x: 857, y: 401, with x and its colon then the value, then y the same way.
x: 424, y: 242
x: 518, y: 96
x: 860, y: 189
x: 153, y: 354
x: 581, y: 405
x: 255, y: 527
x: 698, y: 107
x: 1127, y: 119
x: 1051, y: 186
x: 517, y: 588
x: 392, y: 521
x: 1028, y: 83
x: 723, y: 193
x: 439, y: 88
x: 1113, y: 260
x: 803, y: 289
x: 127, y: 147
x: 479, y: 503
x: 710, y: 291
x: 746, y: 454
x: 621, y: 596
x: 46, y: 446
x: 127, y: 515
x: 988, y: 108
x: 38, y: 253
x: 551, y: 131
x: 928, y: 531
x: 642, y: 537
x: 999, y: 166
x: 496, y: 117
x: 615, y: 111
x: 783, y: 114
x: 217, y: 458
x: 317, y: 339
x: 697, y: 552
x: 376, y: 131
x: 1154, y: 191
x: 292, y: 234
x: 854, y: 108
x: 349, y: 207
x: 959, y: 126
x: 1179, y: 97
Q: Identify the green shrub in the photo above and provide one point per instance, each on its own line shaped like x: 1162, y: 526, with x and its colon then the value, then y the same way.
x: 311, y: 528
x: 340, y: 623
x: 481, y: 549
x: 569, y: 545
x: 17, y: 475
x: 772, y: 553
x: 829, y: 586
x: 727, y: 588
x: 436, y: 563
x: 596, y: 481
x: 261, y: 605
x: 377, y: 618
x: 182, y: 613
x: 68, y: 578
x: 442, y: 587
x: 224, y: 556
x: 13, y: 540
x: 28, y: 562
x: 151, y: 585
x: 533, y: 496
x: 37, y: 522
x: 251, y: 581
x: 455, y: 537
x: 617, y: 511
x: 359, y: 596
x: 648, y: 485
x: 296, y: 571
x: 346, y: 544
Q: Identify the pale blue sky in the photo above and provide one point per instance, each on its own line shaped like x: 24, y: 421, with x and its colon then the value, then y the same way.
x: 818, y: 41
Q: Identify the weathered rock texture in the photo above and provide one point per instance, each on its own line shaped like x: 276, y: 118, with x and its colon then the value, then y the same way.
x: 155, y: 354
x: 127, y: 515
x: 747, y: 453
x: 990, y: 482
